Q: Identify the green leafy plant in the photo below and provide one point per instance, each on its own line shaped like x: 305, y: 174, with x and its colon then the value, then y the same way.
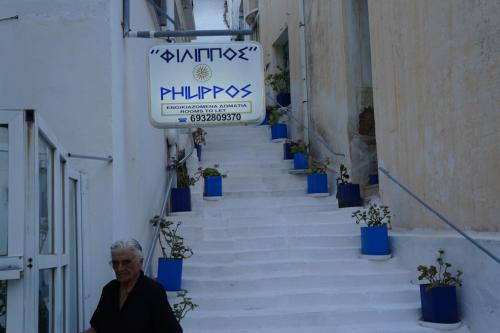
x: 205, y: 172
x: 299, y: 146
x: 275, y: 115
x: 185, y: 305
x: 374, y: 216
x: 183, y: 177
x: 320, y: 166
x: 171, y: 243
x: 439, y: 276
x: 199, y: 136
x: 344, y: 176
x: 279, y: 81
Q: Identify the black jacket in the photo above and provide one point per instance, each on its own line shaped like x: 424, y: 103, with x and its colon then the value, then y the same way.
x: 146, y: 310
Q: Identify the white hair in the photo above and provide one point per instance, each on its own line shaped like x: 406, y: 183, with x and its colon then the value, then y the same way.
x: 128, y: 244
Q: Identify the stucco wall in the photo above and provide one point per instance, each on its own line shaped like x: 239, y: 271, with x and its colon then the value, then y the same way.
x: 328, y: 76
x: 436, y: 72
x: 280, y: 18
x: 69, y: 61
x: 56, y: 60
x: 478, y: 298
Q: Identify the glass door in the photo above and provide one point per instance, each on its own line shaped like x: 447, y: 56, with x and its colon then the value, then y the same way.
x: 11, y: 220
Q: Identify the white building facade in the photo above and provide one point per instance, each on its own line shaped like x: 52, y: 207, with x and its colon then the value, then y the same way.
x: 73, y: 87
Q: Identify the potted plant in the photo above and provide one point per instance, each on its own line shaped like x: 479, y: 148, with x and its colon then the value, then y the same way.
x: 278, y: 130
x: 374, y: 236
x: 300, y: 155
x: 348, y: 194
x: 173, y: 253
x: 199, y: 139
x: 212, y: 189
x: 317, y: 182
x: 438, y: 294
x: 180, y: 197
x: 280, y: 83
x: 183, y: 306
x: 287, y: 148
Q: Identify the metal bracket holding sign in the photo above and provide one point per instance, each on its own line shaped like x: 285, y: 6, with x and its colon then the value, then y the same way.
x: 216, y: 84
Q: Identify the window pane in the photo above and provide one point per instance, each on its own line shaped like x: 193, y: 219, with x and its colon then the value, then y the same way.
x: 45, y: 176
x: 46, y: 301
x: 3, y: 306
x: 4, y: 188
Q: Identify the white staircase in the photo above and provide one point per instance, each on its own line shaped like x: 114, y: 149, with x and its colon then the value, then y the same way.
x: 269, y: 259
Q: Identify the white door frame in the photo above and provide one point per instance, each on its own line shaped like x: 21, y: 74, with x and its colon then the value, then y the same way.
x: 12, y: 265
x: 78, y: 178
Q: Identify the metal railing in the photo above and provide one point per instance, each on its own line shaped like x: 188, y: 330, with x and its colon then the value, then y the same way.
x: 163, y: 211
x: 439, y: 215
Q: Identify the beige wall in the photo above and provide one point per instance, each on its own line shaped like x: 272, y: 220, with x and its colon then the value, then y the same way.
x: 436, y: 72
x: 277, y: 19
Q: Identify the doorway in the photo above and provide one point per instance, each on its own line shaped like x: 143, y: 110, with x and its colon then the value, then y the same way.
x: 40, y: 221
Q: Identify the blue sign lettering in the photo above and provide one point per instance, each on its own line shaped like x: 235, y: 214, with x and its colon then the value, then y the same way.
x: 202, y: 92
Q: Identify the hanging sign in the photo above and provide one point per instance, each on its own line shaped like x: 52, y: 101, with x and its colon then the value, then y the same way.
x: 216, y: 84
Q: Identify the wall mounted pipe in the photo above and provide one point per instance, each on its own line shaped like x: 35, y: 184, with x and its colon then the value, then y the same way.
x: 187, y: 33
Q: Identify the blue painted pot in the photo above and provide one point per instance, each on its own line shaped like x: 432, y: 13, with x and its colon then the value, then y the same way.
x: 279, y: 131
x: 198, y: 151
x: 375, y: 241
x: 212, y: 186
x: 300, y: 161
x: 283, y: 99
x: 180, y: 199
x: 317, y: 183
x: 373, y: 179
x: 170, y: 273
x: 265, y: 121
x: 439, y: 305
x: 287, y: 151
x: 348, y: 195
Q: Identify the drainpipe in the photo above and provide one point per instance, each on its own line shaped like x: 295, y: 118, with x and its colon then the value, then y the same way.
x: 303, y: 71
x: 172, y: 134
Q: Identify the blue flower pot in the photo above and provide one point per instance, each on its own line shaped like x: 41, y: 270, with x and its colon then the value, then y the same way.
x: 348, y: 195
x: 198, y: 151
x: 212, y: 186
x: 317, y: 183
x: 265, y: 121
x: 373, y: 179
x: 287, y: 151
x: 439, y: 305
x: 279, y: 131
x: 180, y: 199
x: 283, y: 99
x: 170, y: 273
x: 300, y: 161
x: 375, y: 241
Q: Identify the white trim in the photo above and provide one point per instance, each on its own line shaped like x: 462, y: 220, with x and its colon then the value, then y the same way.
x: 440, y: 326
x: 13, y: 274
x: 380, y: 257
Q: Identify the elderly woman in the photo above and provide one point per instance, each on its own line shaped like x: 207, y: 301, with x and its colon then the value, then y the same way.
x: 133, y: 303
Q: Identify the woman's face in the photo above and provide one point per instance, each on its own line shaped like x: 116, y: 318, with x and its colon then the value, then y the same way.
x: 125, y: 264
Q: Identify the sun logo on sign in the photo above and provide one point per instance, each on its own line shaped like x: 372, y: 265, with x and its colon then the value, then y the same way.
x: 202, y: 73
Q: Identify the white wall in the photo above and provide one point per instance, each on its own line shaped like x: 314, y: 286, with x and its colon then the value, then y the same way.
x: 479, y: 298
x: 69, y: 61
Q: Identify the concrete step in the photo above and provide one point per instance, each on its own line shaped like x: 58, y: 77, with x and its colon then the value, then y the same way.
x: 282, y: 267
x: 287, y: 282
x: 248, y: 256
x: 304, y: 316
x: 375, y: 327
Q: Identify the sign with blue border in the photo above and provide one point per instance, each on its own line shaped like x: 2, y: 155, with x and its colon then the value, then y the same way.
x: 216, y: 84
